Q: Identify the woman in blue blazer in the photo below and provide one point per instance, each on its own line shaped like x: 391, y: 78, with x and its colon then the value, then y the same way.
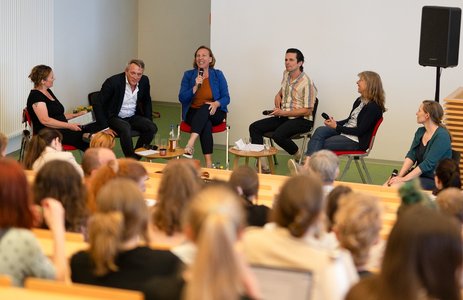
x: 204, y: 97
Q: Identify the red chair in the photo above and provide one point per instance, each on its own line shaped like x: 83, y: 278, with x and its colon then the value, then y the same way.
x: 359, y: 155
x: 28, y: 120
x: 222, y: 127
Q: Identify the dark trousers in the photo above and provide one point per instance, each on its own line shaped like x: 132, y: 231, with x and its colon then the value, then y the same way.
x: 283, y: 129
x: 73, y: 138
x: 123, y: 128
x: 201, y: 122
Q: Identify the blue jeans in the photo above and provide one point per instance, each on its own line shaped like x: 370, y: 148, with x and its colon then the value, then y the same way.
x: 328, y: 138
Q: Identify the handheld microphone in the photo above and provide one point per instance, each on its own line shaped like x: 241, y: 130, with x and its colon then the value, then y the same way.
x: 267, y: 112
x: 325, y: 116
x: 393, y: 174
x: 201, y: 73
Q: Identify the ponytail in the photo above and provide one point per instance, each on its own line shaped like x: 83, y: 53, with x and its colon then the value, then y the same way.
x: 34, y: 149
x: 216, y: 262
x: 105, y: 234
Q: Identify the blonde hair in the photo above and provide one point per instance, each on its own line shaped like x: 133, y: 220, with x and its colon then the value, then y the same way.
x: 102, y: 140
x: 450, y: 202
x: 357, y: 224
x: 122, y: 214
x: 3, y: 143
x: 374, y: 91
x: 215, y: 216
x: 180, y: 182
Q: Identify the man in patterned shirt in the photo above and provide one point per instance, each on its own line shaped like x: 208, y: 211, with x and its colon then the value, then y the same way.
x: 294, y: 103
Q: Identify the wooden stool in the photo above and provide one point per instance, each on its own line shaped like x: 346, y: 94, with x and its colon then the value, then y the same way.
x: 257, y: 155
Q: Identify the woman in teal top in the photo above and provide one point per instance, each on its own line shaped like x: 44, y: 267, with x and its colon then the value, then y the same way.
x: 431, y: 144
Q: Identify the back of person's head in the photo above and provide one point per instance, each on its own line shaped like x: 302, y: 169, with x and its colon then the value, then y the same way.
x: 58, y: 179
x: 14, y: 196
x: 3, y: 144
x: 299, y: 56
x: 39, y: 73
x: 215, y: 218
x: 365, y: 289
x: 410, y: 194
x: 94, y: 158
x: 121, y: 215
x: 103, y: 140
x: 357, y: 225
x: 450, y: 202
x: 132, y: 169
x: 325, y: 164
x: 211, y: 64
x: 244, y: 179
x: 332, y: 203
x: 423, y: 255
x: 180, y: 182
x: 435, y: 111
x: 375, y: 91
x: 447, y: 174
x: 299, y: 204
x: 38, y: 143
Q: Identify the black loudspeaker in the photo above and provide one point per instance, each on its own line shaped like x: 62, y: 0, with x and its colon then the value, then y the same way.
x: 440, y: 36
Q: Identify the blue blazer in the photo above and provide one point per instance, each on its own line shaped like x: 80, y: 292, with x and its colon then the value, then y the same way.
x: 218, y: 85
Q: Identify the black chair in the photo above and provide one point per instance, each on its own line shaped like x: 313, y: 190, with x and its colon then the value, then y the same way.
x: 304, y: 135
x: 93, y: 100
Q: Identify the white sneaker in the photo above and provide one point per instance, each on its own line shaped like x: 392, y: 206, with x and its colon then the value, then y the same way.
x: 293, y: 167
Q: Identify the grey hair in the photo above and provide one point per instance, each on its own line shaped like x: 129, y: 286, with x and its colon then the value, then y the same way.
x: 326, y: 164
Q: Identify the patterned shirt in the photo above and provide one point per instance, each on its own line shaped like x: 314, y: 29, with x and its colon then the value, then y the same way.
x: 298, y: 93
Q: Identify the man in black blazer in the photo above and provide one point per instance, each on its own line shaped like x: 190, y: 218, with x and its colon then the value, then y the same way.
x: 125, y: 104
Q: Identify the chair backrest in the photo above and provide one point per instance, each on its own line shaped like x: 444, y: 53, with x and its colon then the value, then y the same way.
x: 93, y: 97
x: 99, y: 292
x: 27, y: 121
x: 373, y: 134
x: 283, y: 283
x: 314, y: 111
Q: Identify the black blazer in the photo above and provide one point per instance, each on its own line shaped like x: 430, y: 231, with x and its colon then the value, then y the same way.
x: 112, y: 94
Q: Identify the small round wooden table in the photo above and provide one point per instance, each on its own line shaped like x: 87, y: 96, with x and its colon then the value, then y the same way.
x: 257, y: 155
x: 169, y: 154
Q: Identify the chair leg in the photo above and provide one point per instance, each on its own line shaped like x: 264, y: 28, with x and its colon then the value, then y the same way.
x: 359, y: 169
x: 304, y: 143
x: 274, y: 156
x: 367, y: 174
x: 346, y: 168
x: 227, y: 162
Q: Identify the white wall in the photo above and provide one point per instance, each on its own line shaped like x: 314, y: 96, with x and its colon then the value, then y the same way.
x: 339, y: 39
x: 169, y: 33
x: 94, y: 39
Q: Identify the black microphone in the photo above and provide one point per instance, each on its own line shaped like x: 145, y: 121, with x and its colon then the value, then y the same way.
x: 325, y: 116
x: 267, y: 112
x: 201, y: 73
x: 393, y: 174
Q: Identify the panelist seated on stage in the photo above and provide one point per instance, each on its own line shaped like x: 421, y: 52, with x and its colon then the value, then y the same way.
x: 294, y: 103
x: 204, y: 97
x: 46, y: 111
x: 124, y: 104
x: 432, y: 143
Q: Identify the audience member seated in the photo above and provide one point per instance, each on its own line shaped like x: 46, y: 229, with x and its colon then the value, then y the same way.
x: 59, y: 180
x: 118, y: 255
x: 422, y: 260
x: 353, y: 133
x: 204, y: 97
x: 332, y: 204
x: 46, y: 146
x: 180, y: 182
x: 246, y: 182
x: 294, y: 103
x: 3, y: 144
x: 46, y: 110
x: 447, y: 175
x: 450, y: 202
x: 124, y: 104
x: 103, y: 140
x: 296, y: 240
x: 20, y: 252
x: 93, y: 159
x: 120, y: 168
x: 357, y: 227
x: 214, y: 221
x: 410, y: 194
x: 431, y: 144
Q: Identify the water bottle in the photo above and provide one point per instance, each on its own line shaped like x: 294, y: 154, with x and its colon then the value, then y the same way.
x: 172, y: 139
